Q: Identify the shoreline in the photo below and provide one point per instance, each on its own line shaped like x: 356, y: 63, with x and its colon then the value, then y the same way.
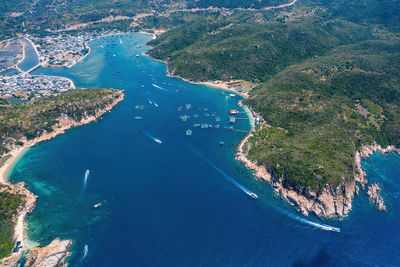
x: 331, y: 203
x: 64, y: 124
x: 214, y: 84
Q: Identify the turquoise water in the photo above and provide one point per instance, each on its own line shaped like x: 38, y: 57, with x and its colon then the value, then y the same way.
x: 182, y: 202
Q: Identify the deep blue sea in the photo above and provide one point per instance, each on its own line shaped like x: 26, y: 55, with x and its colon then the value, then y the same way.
x: 182, y: 202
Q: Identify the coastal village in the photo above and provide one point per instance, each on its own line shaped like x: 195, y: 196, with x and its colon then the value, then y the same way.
x: 26, y: 86
x: 59, y: 50
x: 64, y: 49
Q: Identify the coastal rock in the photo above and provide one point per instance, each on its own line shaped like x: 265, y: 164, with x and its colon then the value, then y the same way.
x: 51, y: 255
x: 374, y: 195
x: 331, y: 203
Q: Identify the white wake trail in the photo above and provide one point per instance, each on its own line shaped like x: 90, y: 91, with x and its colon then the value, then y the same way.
x: 161, y: 88
x: 85, y: 252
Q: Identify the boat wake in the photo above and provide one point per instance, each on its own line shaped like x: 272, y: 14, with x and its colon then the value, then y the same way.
x: 320, y: 226
x: 85, y: 252
x: 161, y: 88
x: 85, y: 179
x: 151, y: 102
x: 153, y: 138
x: 230, y: 179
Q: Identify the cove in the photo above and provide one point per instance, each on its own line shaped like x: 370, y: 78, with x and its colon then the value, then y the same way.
x: 178, y: 203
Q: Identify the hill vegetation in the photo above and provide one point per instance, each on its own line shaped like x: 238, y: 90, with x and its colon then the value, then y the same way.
x: 9, y: 205
x: 321, y: 111
x: 30, y: 120
x: 208, y: 49
x: 328, y: 75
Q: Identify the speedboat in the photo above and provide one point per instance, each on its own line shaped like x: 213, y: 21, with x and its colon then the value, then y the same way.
x: 253, y: 195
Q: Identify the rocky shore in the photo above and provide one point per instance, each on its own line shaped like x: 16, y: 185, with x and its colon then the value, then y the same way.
x: 332, y: 202
x: 374, y: 195
x: 56, y: 253
x: 23, y: 212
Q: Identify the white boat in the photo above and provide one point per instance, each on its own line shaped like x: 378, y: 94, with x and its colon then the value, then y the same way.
x: 158, y: 140
x: 253, y: 195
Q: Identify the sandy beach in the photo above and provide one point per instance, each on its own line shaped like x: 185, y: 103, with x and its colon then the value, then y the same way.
x: 5, y: 168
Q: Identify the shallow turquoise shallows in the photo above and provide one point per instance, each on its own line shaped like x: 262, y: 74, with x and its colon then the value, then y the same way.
x: 168, y: 199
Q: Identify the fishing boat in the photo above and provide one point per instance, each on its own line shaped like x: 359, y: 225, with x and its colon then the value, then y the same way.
x: 183, y: 118
x: 188, y: 132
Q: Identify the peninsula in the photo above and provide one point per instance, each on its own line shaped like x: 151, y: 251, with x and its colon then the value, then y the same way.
x: 22, y: 126
x: 327, y: 97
